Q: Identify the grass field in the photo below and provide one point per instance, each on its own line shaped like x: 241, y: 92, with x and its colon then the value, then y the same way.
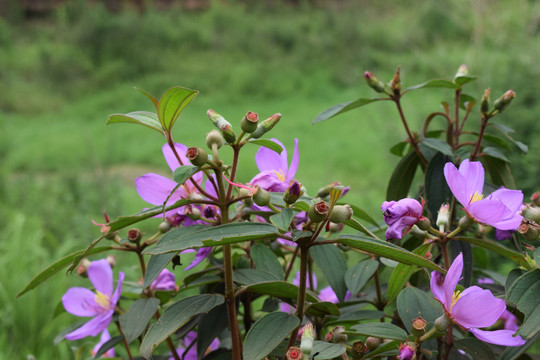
x: 62, y: 76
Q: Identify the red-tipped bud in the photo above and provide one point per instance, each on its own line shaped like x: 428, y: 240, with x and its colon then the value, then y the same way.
x: 249, y: 122
x: 214, y: 138
x: 197, y: 156
x: 82, y: 268
x: 111, y: 259
x: 406, y: 352
x: 266, y: 125
x: 293, y: 192
x: 442, y: 217
x: 374, y: 83
x: 294, y: 353
x: 134, y: 235
x: 484, y: 104
x: 535, y: 198
x: 306, y: 342
x: 463, y: 70
x: 501, y: 103
x: 341, y: 213
x: 529, y: 230
x: 395, y: 83
x: 228, y: 133
x: 318, y: 211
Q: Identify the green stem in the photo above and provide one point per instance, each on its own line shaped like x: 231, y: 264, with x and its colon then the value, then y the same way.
x: 300, y: 302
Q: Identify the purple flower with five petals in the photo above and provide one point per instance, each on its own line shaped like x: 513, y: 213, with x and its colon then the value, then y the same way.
x: 472, y: 308
x: 400, y: 215
x: 501, y: 209
x: 275, y: 172
x: 100, y: 305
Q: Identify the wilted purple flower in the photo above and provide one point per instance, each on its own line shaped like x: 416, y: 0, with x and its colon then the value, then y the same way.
x: 473, y: 308
x: 399, y: 215
x: 501, y: 209
x: 190, y: 341
x: 406, y: 352
x: 105, y: 336
x: 165, y: 281
x: 100, y: 305
x: 275, y: 172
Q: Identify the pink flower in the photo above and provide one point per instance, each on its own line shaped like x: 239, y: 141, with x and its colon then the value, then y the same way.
x: 165, y: 281
x: 105, y: 336
x: 275, y: 173
x: 190, y: 343
x: 406, y: 352
x: 501, y: 209
x: 400, y: 215
x: 473, y: 308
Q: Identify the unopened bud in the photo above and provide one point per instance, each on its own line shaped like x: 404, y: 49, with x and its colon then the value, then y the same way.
x: 228, y: 133
x: 82, y: 268
x: 484, y: 104
x: 294, y: 353
x: 535, y: 198
x: 196, y: 156
x: 338, y: 335
x: 134, y: 235
x: 423, y: 223
x: 442, y: 323
x: 111, y: 259
x: 442, y: 218
x: 265, y: 126
x: 359, y: 348
x: 531, y: 213
x: 214, y: 138
x: 465, y: 222
x: 341, y: 213
x: 335, y: 228
x: 217, y: 119
x: 306, y: 343
x: 374, y: 83
x: 245, y: 192
x: 418, y: 327
x: 395, y: 83
x: 318, y: 211
x: 501, y: 103
x: 406, y: 352
x: 463, y: 70
x: 293, y: 193
x: 193, y: 213
x: 249, y: 122
x: 529, y: 231
x: 164, y: 227
x: 373, y: 342
x: 261, y: 197
x: 325, y: 191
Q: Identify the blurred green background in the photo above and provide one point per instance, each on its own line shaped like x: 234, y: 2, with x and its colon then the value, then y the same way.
x: 65, y: 66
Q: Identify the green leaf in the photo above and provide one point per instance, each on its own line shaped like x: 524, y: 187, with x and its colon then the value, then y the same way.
x: 201, y: 235
x: 144, y: 118
x: 402, y: 273
x: 523, y: 294
x: 183, y: 173
x: 354, y: 317
x: 479, y: 350
x: 283, y: 219
x: 253, y: 276
x: 134, y: 322
x: 436, y: 188
x: 438, y: 145
x: 267, y: 333
x: 497, y: 248
x: 326, y: 350
x: 412, y: 303
x: 387, y: 250
x: 494, y: 152
x: 155, y: 266
x: 362, y: 214
x: 280, y: 289
x: 174, y: 317
x: 355, y: 224
x: 495, y: 140
x: 342, y: 108
x: 172, y: 103
x: 499, y: 172
x: 380, y: 330
x: 151, y: 97
x: 437, y: 83
x: 462, y: 80
x: 268, y: 144
x: 357, y: 276
x: 386, y: 349
x: 402, y: 177
x: 506, y: 131
x: 537, y: 257
x: 334, y: 265
x: 323, y: 308
x: 111, y: 343
x: 399, y: 148
x: 265, y: 259
x: 57, y: 266
x: 466, y: 101
x: 209, y: 327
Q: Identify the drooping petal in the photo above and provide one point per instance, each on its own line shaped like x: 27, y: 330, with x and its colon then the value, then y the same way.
x: 451, y: 280
x: 79, y: 301
x: 202, y: 254
x: 488, y: 211
x: 400, y: 214
x: 510, y: 321
x: 436, y: 284
x: 512, y: 199
x: 155, y: 189
x: 171, y: 159
x: 269, y: 160
x: 118, y: 291
x: 101, y: 276
x: 477, y: 308
x: 294, y: 162
x: 92, y: 327
x: 498, y: 337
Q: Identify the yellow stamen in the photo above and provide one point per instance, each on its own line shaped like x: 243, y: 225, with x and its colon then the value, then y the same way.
x: 103, y: 300
x: 280, y: 175
x: 475, y: 197
x: 455, y: 297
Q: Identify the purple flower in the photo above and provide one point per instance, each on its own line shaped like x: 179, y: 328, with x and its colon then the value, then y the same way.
x: 99, y: 305
x: 510, y: 321
x: 473, y: 308
x: 399, y: 215
x: 105, y: 336
x: 275, y: 172
x: 202, y: 253
x: 190, y: 340
x: 500, y: 209
x: 406, y: 352
x: 501, y: 235
x: 165, y: 281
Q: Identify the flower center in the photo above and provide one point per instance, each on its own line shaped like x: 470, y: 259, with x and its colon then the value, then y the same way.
x: 280, y: 175
x: 103, y: 300
x: 475, y: 197
x: 455, y: 297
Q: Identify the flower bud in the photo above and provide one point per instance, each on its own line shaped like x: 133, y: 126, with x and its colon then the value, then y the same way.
x: 535, y: 198
x: 249, y: 122
x: 325, y: 190
x: 335, y: 228
x: 245, y: 192
x: 228, y: 133
x: 214, y: 138
x: 406, y: 352
x: 501, y: 103
x: 531, y: 213
x: 358, y: 348
x: 197, y: 156
x: 134, y: 235
x: 338, y: 335
x: 82, y: 268
x: 418, y: 327
x: 294, y: 353
x: 306, y: 343
x: 484, y: 104
x: 111, y: 259
x: 164, y: 227
x: 217, y: 119
x: 341, y: 213
x: 318, y: 211
x: 463, y: 70
x: 442, y: 323
x: 423, y: 223
x: 442, y: 218
x: 529, y: 231
x: 374, y: 83
x: 465, y: 222
x: 261, y: 197
x: 373, y: 342
x: 395, y: 83
x: 293, y: 192
x: 266, y: 125
x: 193, y: 213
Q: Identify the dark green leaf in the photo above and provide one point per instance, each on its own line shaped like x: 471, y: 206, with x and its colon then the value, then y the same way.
x: 134, y: 322
x: 402, y: 177
x: 494, y: 152
x: 499, y: 172
x: 387, y: 250
x: 265, y: 259
x: 513, y: 276
x: 412, y: 303
x: 386, y: 349
x: 495, y: 140
x: 268, y: 144
x: 172, y: 103
x: 436, y: 189
x: 438, y: 145
x: 155, y: 266
x: 342, y: 108
x: 380, y: 330
x: 209, y: 327
x: 283, y: 219
x: 355, y: 224
x: 326, y: 350
x: 333, y: 265
x: 497, y: 248
x: 270, y: 304
x: 465, y: 249
x: 357, y: 276
x: 362, y: 214
x: 57, y: 266
x: 402, y: 273
x: 253, y: 276
x: 174, y: 317
x: 184, y: 172
x: 507, y: 131
x: 267, y: 333
x: 178, y: 239
x: 437, y: 83
x: 479, y: 350
x: 354, y: 317
x: 462, y: 80
x: 537, y: 257
x: 323, y: 308
x: 281, y: 289
x: 108, y: 345
x: 523, y: 294
x: 144, y: 118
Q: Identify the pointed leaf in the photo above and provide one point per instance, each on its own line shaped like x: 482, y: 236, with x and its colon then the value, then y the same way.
x: 323, y: 350
x: 357, y: 276
x: 253, y: 276
x: 144, y: 118
x: 438, y: 145
x: 172, y: 103
x: 499, y: 171
x: 436, y: 188
x: 268, y: 144
x: 399, y: 148
x: 496, y: 247
x: 134, y: 322
x: 343, y: 107
x: 174, y: 317
x: 184, y: 172
x: 265, y: 259
x: 380, y: 330
x: 267, y: 333
x: 209, y: 327
x: 523, y: 294
x: 333, y: 265
x: 283, y: 219
x: 402, y: 177
x: 496, y: 153
x: 362, y: 214
x: 323, y: 308
x: 354, y: 317
x: 111, y: 343
x: 402, y: 273
x: 281, y: 289
x: 155, y: 266
x: 151, y: 97
x: 437, y: 83
x: 412, y: 303
x: 462, y: 80
x: 507, y: 131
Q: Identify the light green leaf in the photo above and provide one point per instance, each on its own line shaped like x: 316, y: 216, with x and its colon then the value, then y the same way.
x: 399, y: 148
x: 283, y: 219
x: 462, y: 80
x: 183, y: 173
x: 326, y: 350
x: 253, y: 276
x: 268, y: 144
x: 134, y: 322
x: 334, y: 266
x: 144, y: 118
x: 174, y: 317
x: 151, y: 97
x: 437, y: 83
x: 172, y: 103
x: 281, y: 289
x: 342, y: 108
x: 380, y: 330
x: 438, y: 145
x: 362, y: 214
x: 402, y: 273
x: 265, y: 259
x: 357, y: 276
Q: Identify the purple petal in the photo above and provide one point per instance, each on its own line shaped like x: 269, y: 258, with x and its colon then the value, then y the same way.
x: 118, y: 290
x: 510, y: 321
x: 202, y: 254
x: 294, y: 162
x: 173, y: 163
x: 105, y: 336
x: 477, y: 308
x: 457, y: 184
x: 512, y: 199
x: 436, y: 284
x: 487, y: 211
x: 155, y: 189
x: 101, y: 276
x: 79, y: 301
x: 269, y: 160
x: 327, y: 294
x: 165, y: 281
x: 92, y: 327
x: 451, y: 280
x: 269, y: 181
x: 498, y: 337
x: 473, y: 172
